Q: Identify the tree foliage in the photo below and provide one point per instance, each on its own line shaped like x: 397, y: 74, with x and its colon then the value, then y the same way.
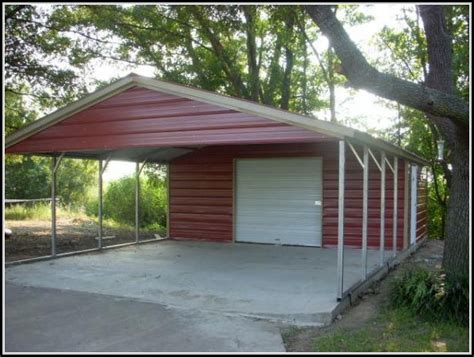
x: 403, y: 52
x: 119, y: 202
x: 253, y: 52
x: 41, y: 74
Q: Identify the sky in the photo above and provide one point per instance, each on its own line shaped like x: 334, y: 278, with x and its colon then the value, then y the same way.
x: 360, y: 104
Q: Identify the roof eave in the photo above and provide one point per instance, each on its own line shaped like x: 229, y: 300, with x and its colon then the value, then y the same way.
x: 389, y: 147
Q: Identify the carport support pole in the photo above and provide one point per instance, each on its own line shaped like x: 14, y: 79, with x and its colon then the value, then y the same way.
x: 55, y: 165
x: 168, y: 200
x: 395, y: 205
x: 340, y: 222
x: 53, y: 208
x: 365, y: 207
x: 99, y: 241
x: 382, y: 210
x: 137, y: 201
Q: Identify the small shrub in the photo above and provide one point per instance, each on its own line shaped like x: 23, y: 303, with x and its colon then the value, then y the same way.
x: 431, y: 295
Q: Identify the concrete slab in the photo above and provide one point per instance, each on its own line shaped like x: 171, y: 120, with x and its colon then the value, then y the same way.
x: 53, y: 320
x: 295, y: 285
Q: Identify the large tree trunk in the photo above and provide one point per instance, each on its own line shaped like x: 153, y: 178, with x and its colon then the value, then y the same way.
x: 456, y: 249
x: 250, y: 13
x: 440, y: 77
x: 289, y: 56
x: 362, y: 75
x: 332, y: 86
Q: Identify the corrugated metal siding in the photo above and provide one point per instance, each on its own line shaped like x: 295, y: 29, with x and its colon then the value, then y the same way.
x: 422, y: 207
x: 275, y: 200
x: 140, y: 117
x: 353, y: 202
x: 204, y: 171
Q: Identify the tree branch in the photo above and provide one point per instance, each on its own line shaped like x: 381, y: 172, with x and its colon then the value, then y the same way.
x: 219, y: 50
x: 31, y: 94
x: 362, y: 75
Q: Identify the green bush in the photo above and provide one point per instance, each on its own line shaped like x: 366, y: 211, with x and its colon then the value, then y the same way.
x: 119, y: 202
x: 431, y: 295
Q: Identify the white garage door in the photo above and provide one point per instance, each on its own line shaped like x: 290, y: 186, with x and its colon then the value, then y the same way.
x: 278, y: 201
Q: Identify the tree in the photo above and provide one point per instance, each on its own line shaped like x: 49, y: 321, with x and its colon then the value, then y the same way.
x: 30, y: 49
x: 446, y: 110
x: 402, y: 51
x: 253, y: 52
x: 34, y: 85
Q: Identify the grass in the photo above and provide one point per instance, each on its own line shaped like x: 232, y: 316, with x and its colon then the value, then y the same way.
x: 42, y: 212
x: 18, y: 212
x: 396, y: 330
x: 39, y: 212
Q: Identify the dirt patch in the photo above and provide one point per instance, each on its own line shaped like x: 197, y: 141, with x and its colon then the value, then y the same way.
x: 32, y: 238
x: 367, y: 308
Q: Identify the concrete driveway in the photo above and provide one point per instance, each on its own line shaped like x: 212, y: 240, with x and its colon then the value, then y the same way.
x: 172, y: 296
x: 53, y: 320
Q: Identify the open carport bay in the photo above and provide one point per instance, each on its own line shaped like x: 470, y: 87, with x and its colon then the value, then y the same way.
x: 289, y: 284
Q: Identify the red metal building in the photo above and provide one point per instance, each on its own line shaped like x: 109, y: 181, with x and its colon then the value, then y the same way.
x: 241, y: 171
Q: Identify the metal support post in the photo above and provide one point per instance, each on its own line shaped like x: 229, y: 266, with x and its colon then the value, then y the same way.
x: 53, y: 209
x: 340, y: 223
x: 382, y: 209
x: 99, y: 241
x: 55, y: 165
x: 137, y: 201
x: 138, y: 171
x: 365, y: 207
x: 168, y: 200
x: 395, y: 205
x: 364, y: 163
x: 102, y: 168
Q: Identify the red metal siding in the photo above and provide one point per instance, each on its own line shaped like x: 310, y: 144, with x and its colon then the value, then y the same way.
x: 140, y: 117
x: 201, y: 185
x: 353, y: 202
x: 421, y: 208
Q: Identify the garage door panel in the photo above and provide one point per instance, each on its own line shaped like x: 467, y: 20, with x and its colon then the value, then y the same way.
x: 275, y: 201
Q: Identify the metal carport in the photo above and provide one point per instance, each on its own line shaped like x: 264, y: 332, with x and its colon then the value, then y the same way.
x: 146, y: 120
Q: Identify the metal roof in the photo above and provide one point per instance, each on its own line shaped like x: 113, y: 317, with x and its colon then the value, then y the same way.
x: 326, y: 128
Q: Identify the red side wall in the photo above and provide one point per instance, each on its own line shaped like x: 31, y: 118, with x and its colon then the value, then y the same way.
x: 421, y: 208
x: 201, y: 192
